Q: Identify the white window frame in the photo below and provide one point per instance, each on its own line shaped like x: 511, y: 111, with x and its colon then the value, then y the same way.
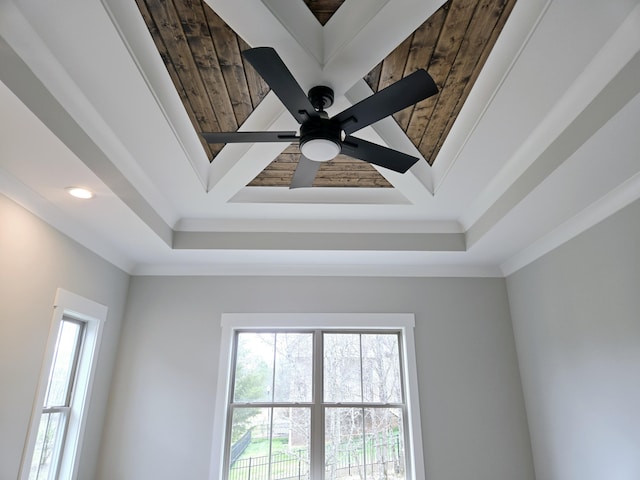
x: 403, y: 322
x: 93, y: 315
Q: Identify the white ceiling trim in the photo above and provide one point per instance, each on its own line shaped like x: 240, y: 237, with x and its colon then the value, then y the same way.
x: 24, y: 84
x: 609, y: 101
x: 593, y: 214
x: 615, y: 56
x: 320, y: 241
x: 317, y: 225
x: 59, y: 219
x: 317, y: 196
x: 46, y: 86
x: 301, y: 24
x: 130, y: 25
x: 520, y: 27
x: 324, y: 270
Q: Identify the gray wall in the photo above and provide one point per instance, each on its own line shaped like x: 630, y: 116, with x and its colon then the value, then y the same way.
x: 35, y: 260
x: 576, y: 318
x: 160, y: 418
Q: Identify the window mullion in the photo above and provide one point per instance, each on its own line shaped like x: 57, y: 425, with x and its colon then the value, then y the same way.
x: 272, y: 399
x: 317, y: 411
x: 361, y: 369
x: 362, y: 409
x: 270, y: 442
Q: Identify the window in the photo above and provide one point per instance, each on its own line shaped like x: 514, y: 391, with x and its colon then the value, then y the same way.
x: 57, y: 404
x: 328, y: 401
x: 58, y: 420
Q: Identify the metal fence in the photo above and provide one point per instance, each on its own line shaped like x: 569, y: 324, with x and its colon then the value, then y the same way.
x: 239, y: 447
x: 284, y: 466
x: 346, y: 461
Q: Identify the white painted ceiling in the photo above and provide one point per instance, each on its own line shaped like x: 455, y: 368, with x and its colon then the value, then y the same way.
x: 546, y: 145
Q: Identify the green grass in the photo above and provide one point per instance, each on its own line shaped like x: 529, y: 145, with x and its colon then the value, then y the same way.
x: 260, y: 447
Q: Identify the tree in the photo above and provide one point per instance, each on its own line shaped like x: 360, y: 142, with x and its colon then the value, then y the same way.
x: 251, y: 379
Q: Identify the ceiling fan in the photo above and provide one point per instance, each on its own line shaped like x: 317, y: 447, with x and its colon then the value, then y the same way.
x: 322, y: 138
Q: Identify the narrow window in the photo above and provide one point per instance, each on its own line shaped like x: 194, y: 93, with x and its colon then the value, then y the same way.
x: 53, y: 447
x: 56, y: 410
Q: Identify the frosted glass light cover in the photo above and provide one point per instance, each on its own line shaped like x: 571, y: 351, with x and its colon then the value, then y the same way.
x: 320, y: 150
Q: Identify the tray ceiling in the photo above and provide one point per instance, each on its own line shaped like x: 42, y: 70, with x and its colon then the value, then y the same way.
x: 92, y: 98
x: 219, y: 90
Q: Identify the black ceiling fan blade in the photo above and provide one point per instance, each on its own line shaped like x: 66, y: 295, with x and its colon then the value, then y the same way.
x: 272, y: 69
x: 305, y: 173
x: 408, y: 91
x: 249, y: 137
x: 377, y: 154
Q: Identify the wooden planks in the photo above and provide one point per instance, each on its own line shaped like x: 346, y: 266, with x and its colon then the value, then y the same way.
x: 203, y: 57
x: 452, y: 45
x: 229, y: 60
x: 154, y: 30
x: 482, y: 33
x: 342, y: 171
x: 323, y: 9
x: 258, y: 88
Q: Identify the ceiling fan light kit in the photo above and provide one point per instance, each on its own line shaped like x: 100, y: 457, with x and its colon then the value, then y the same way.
x: 322, y: 138
x: 319, y: 149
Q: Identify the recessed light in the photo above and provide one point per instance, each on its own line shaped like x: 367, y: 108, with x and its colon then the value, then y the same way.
x: 79, y: 192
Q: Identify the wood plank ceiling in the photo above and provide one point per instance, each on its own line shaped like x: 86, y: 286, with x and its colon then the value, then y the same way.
x: 219, y: 90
